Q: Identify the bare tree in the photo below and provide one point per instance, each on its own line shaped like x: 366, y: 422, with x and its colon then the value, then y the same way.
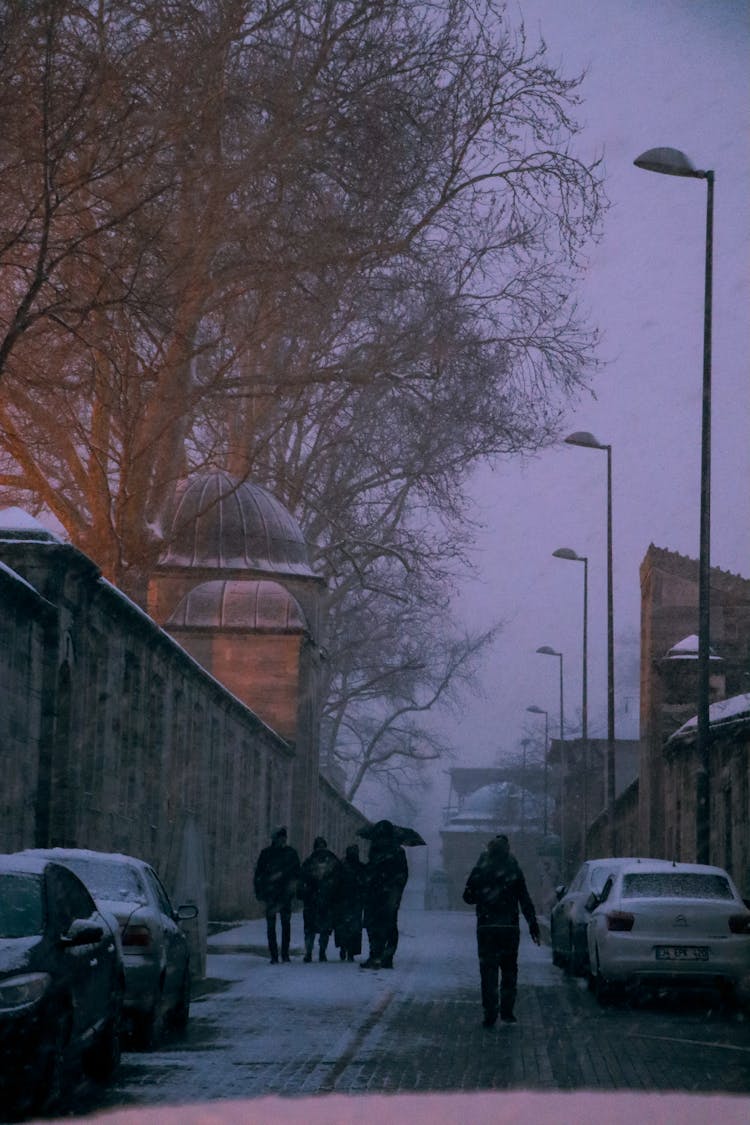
x: 331, y: 245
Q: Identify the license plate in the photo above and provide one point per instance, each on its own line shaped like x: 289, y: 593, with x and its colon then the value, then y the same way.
x: 681, y: 953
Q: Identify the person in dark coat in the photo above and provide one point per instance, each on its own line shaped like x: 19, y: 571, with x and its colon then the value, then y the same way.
x: 275, y: 885
x: 320, y: 883
x: 349, y: 913
x: 387, y: 873
x: 496, y: 886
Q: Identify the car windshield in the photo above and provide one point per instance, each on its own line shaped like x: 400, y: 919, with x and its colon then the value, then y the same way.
x: 599, y: 876
x: 676, y: 884
x: 109, y: 880
x: 21, y: 904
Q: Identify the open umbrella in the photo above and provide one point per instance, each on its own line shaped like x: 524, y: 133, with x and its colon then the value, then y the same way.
x: 409, y: 837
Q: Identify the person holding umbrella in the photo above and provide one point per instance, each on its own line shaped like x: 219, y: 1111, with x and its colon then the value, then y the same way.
x: 387, y: 873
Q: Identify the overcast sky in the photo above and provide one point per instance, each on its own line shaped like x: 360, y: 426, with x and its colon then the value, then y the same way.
x: 660, y: 72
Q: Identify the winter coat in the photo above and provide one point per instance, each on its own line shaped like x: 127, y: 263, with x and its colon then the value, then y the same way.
x: 496, y: 886
x: 276, y: 875
x: 319, y: 889
x: 350, y: 906
x: 387, y: 873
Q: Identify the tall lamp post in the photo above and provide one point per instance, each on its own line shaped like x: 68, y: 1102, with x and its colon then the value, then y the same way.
x: 567, y: 553
x: 588, y: 441
x: 672, y: 162
x: 539, y: 711
x: 547, y: 650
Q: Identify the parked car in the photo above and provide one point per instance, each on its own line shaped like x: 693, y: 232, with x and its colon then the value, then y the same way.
x: 662, y: 923
x: 569, y: 917
x: 61, y: 983
x: 155, y: 949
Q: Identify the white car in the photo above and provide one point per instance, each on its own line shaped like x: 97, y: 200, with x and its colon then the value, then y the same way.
x: 569, y: 916
x: 662, y: 923
x: 154, y: 948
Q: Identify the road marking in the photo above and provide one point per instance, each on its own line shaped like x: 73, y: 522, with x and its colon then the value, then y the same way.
x: 328, y: 1085
x: 692, y: 1042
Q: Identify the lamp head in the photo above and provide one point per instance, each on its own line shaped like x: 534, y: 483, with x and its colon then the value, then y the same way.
x: 584, y: 438
x: 536, y: 710
x: 668, y: 162
x: 547, y: 650
x: 566, y: 553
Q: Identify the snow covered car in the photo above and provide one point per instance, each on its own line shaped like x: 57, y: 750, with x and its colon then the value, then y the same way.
x: 666, y: 924
x: 569, y: 916
x: 61, y: 984
x: 155, y: 949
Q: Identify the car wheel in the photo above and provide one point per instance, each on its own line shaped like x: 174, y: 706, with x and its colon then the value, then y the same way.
x: 146, y: 1027
x: 104, y: 1057
x: 181, y: 1011
x: 55, y: 1070
x: 557, y: 958
x: 607, y: 992
x: 571, y: 960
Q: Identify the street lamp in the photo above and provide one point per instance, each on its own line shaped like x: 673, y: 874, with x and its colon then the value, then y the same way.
x: 547, y: 650
x: 672, y: 162
x: 588, y: 441
x: 567, y: 553
x: 539, y: 711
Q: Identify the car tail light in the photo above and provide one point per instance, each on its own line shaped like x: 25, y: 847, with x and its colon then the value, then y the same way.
x: 739, y: 924
x: 620, y: 921
x: 139, y: 936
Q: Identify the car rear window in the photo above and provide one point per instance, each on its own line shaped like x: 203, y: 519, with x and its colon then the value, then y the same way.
x: 675, y: 884
x: 112, y: 882
x: 21, y: 904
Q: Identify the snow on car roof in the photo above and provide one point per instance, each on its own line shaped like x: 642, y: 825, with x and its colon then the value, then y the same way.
x: 22, y: 862
x: 86, y: 853
x: 670, y: 865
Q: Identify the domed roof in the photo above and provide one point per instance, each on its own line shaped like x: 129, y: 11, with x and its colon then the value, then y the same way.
x: 501, y: 803
x: 239, y: 605
x: 223, y: 523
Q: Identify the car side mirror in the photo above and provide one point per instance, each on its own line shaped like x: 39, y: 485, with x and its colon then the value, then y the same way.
x: 560, y: 891
x: 82, y: 932
x: 591, y: 902
x: 186, y: 912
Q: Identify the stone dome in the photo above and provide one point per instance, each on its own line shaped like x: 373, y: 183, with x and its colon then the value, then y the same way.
x: 222, y: 523
x: 501, y: 803
x: 260, y: 606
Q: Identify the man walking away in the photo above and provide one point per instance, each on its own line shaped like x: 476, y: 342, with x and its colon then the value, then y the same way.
x: 320, y: 885
x: 496, y: 886
x: 275, y: 885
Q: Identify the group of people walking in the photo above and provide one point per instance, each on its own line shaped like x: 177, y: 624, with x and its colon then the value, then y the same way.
x: 343, y: 896
x: 340, y: 897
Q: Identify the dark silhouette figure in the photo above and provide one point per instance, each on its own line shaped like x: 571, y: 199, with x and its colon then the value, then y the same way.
x: 350, y: 909
x: 320, y: 884
x: 387, y: 872
x: 496, y: 886
x: 275, y: 885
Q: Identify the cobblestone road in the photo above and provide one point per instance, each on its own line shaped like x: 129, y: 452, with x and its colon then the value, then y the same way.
x: 258, y: 1029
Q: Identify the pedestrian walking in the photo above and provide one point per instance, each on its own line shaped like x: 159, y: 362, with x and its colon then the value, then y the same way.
x: 275, y: 884
x: 497, y: 887
x: 320, y: 884
x: 386, y: 875
x: 350, y: 908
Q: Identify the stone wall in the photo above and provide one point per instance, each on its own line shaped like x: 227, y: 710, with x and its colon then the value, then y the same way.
x: 115, y: 739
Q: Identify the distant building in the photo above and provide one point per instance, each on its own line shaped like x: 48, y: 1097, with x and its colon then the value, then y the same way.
x: 489, y: 803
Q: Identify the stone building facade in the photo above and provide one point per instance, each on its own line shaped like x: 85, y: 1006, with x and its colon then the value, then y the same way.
x: 115, y: 736
x: 656, y: 813
x: 669, y: 648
